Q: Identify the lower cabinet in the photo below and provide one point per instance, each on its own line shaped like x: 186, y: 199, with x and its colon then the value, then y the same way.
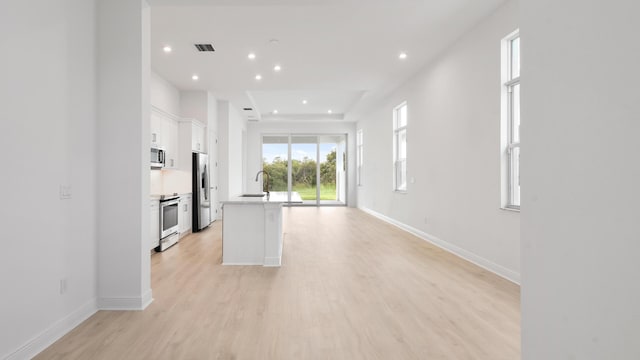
x: 154, y: 220
x: 184, y: 219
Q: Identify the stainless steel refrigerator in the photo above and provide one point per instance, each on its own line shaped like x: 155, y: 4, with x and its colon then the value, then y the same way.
x: 201, y: 193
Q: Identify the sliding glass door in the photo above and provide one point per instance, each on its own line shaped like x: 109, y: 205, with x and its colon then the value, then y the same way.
x: 275, y: 161
x: 304, y: 152
x: 314, y: 167
x: 332, y: 162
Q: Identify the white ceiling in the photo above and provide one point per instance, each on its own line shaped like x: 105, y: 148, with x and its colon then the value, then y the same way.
x: 338, y: 54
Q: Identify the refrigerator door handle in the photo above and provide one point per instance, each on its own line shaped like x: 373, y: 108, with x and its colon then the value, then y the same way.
x: 205, y: 185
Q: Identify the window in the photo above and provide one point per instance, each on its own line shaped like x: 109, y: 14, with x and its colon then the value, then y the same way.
x: 511, y: 119
x: 400, y: 147
x: 359, y: 148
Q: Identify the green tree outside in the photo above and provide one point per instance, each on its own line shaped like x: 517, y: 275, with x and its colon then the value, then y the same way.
x: 303, y: 173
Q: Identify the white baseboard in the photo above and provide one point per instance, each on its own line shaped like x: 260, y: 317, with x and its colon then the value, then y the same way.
x: 242, y: 263
x: 272, y: 261
x: 54, y: 332
x: 454, y: 249
x: 147, y: 299
x: 132, y: 303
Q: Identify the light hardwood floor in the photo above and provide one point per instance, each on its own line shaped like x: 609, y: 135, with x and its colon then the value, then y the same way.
x: 350, y: 287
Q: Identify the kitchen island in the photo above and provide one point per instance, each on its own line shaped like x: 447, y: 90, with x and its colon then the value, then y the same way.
x: 252, y: 229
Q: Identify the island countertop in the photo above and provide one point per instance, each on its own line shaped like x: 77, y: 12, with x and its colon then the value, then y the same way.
x: 275, y: 197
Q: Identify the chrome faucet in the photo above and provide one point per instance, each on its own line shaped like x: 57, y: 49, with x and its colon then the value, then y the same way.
x: 267, y: 176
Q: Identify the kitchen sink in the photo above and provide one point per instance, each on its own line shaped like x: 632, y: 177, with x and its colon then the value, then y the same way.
x: 253, y: 195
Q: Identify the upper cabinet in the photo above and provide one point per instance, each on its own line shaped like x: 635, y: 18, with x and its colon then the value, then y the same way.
x: 192, y: 139
x: 178, y: 137
x: 164, y: 134
x: 156, y: 129
x: 170, y: 139
x: 198, y: 137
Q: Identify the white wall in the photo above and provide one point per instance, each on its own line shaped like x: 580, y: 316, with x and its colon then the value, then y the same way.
x: 47, y: 138
x: 195, y: 105
x: 580, y: 176
x: 123, y: 155
x: 255, y: 130
x: 164, y: 95
x: 231, y: 126
x: 453, y: 152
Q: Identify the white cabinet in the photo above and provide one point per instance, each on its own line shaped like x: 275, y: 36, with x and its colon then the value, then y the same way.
x: 155, y: 125
x: 154, y: 220
x: 164, y: 134
x: 192, y: 139
x: 198, y: 137
x: 184, y: 218
x: 170, y: 142
x: 258, y: 244
x: 216, y: 213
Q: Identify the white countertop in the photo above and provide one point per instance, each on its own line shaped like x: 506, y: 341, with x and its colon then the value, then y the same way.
x: 158, y: 196
x: 275, y: 197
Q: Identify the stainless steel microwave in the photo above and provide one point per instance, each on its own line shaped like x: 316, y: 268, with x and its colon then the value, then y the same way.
x: 157, y: 158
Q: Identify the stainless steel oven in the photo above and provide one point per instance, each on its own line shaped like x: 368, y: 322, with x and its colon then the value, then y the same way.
x: 168, y: 222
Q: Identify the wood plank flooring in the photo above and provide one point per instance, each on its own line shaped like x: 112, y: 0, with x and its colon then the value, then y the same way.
x: 351, y: 287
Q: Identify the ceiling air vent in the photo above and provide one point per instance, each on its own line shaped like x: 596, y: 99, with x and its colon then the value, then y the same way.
x: 205, y: 47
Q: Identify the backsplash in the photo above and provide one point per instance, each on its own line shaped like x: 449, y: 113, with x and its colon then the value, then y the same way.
x: 155, y: 184
x: 169, y: 181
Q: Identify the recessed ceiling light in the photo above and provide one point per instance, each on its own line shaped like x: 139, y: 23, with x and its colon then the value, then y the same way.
x: 277, y: 68
x: 258, y: 77
x: 304, y: 101
x: 275, y: 111
x: 330, y: 111
x: 251, y: 56
x: 195, y: 77
x: 402, y: 56
x: 167, y: 49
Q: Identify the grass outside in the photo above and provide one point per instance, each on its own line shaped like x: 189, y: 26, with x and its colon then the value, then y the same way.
x: 327, y: 192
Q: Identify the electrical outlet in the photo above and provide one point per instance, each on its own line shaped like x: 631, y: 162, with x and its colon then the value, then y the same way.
x: 63, y: 286
x: 65, y: 192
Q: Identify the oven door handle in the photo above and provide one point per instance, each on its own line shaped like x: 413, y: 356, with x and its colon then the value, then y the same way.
x: 169, y: 203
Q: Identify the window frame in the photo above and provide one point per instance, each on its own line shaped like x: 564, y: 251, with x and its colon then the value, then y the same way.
x: 398, y: 162
x: 359, y: 155
x: 511, y: 163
